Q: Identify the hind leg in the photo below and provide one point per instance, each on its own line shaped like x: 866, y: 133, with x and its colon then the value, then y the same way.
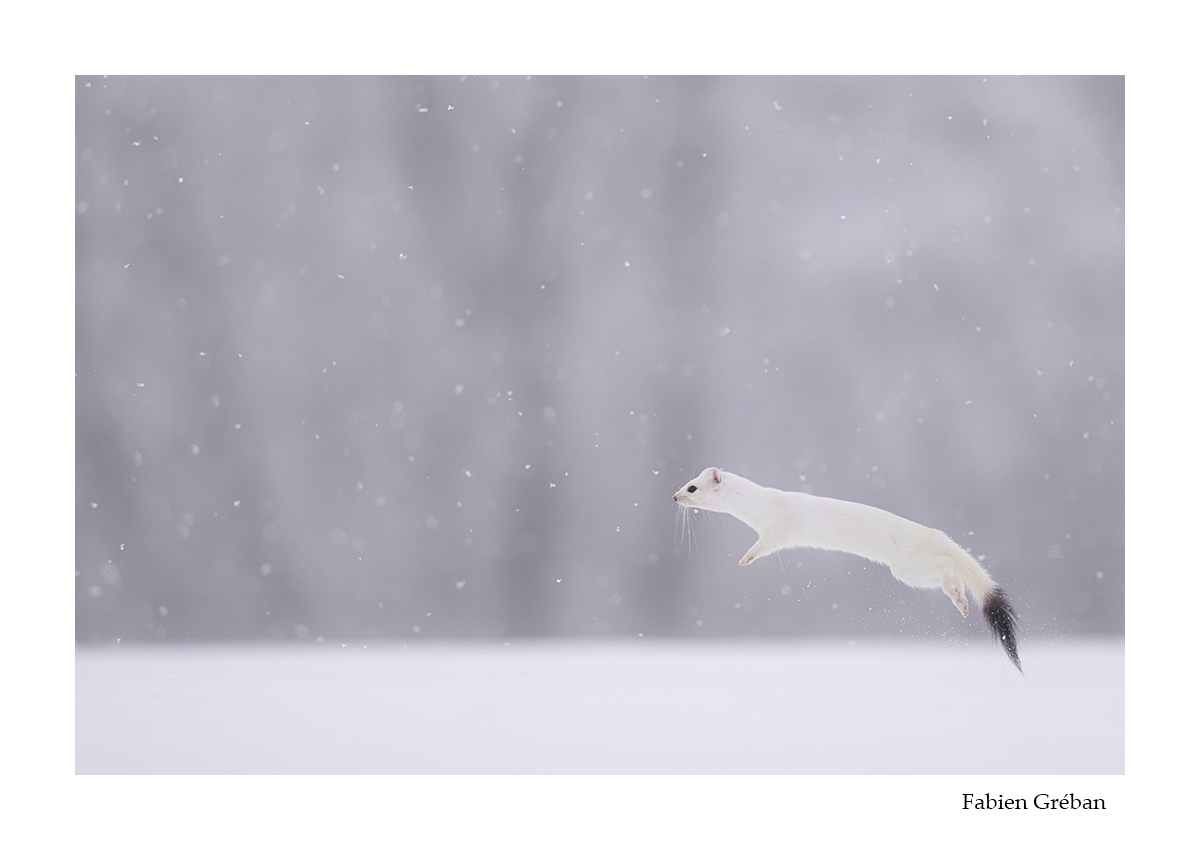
x: 953, y: 588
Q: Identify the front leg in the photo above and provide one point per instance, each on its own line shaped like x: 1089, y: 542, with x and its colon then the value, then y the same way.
x: 759, y: 549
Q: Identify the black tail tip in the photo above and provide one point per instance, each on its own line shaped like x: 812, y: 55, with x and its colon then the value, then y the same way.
x: 998, y: 611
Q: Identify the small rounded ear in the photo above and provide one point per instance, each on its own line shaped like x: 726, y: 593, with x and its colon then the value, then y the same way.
x: 716, y: 475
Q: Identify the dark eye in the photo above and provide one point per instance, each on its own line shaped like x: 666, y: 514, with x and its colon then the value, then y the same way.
x: 692, y: 489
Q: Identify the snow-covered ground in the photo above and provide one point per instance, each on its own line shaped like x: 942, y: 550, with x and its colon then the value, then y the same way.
x: 803, y: 707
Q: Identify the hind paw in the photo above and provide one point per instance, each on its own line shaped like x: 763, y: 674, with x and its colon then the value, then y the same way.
x: 955, y: 591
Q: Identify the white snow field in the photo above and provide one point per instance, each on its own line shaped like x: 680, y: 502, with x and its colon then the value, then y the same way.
x: 784, y: 707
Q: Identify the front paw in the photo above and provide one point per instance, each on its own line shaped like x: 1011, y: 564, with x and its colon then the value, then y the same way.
x: 747, y: 558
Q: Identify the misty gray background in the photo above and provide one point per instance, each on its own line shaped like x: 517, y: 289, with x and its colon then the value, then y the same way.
x: 427, y: 358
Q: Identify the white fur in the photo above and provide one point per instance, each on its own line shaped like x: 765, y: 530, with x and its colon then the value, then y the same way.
x: 916, y: 555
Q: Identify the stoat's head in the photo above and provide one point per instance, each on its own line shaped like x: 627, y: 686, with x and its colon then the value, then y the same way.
x: 703, y: 491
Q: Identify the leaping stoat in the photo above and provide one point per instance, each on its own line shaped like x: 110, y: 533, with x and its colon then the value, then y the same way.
x: 916, y: 555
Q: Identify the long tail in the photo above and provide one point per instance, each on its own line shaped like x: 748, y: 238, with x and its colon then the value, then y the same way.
x: 997, y: 607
